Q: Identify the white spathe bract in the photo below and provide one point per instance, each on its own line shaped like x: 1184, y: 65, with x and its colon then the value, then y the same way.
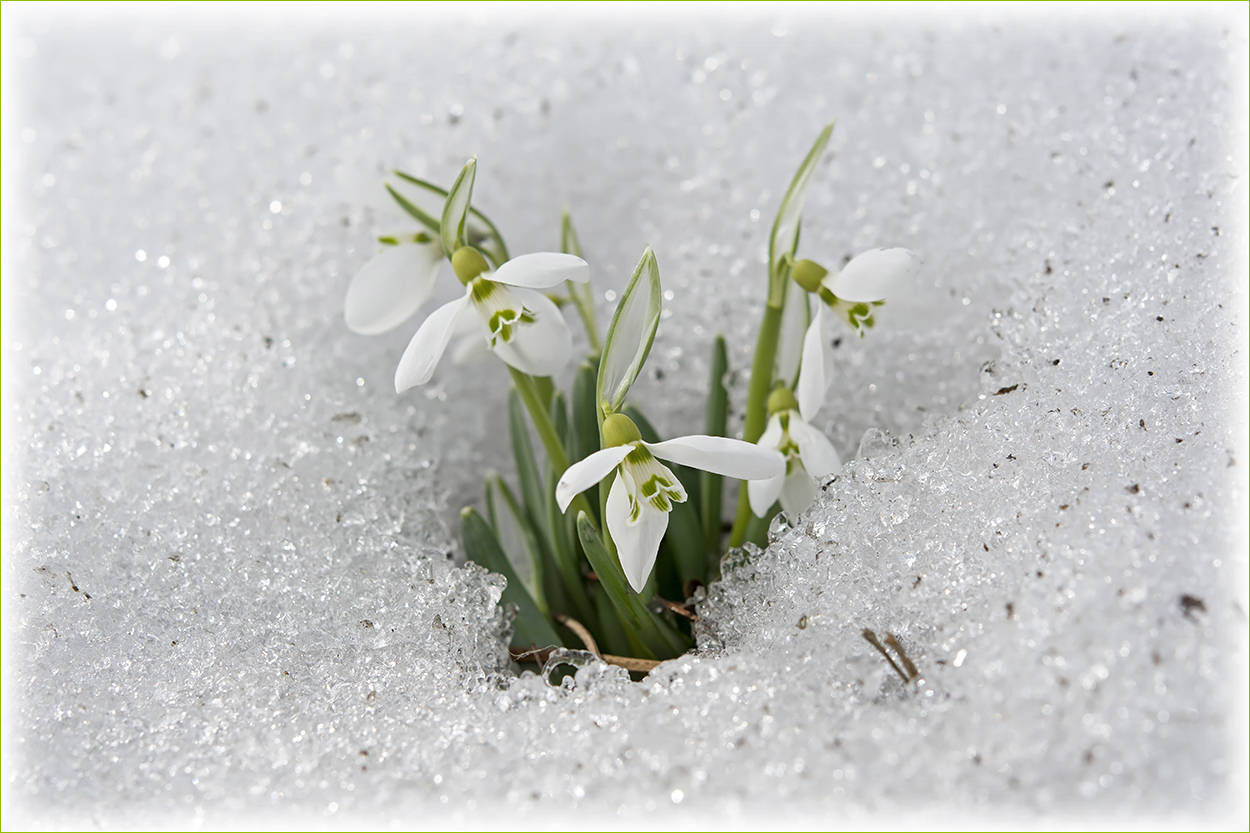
x: 391, y: 287
x: 644, y: 490
x: 519, y: 324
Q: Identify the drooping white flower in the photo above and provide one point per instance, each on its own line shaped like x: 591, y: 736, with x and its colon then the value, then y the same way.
x: 392, y: 286
x: 873, y: 287
x: 807, y: 453
x: 518, y: 323
x: 644, y: 490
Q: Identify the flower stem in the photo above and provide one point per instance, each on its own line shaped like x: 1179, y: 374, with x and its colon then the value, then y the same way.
x: 585, y: 304
x: 757, y: 395
x: 527, y: 386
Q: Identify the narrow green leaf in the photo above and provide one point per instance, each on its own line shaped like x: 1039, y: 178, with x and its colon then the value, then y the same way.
x: 611, y: 634
x: 526, y: 467
x: 456, y: 208
x: 685, y: 534
x: 560, y: 417
x: 629, y: 336
x: 717, y: 419
x: 532, y: 628
x: 569, y: 242
x: 785, y: 234
x: 567, y: 562
x: 649, y: 631
x: 414, y: 210
x: 544, y: 386
x: 585, y: 440
x: 581, y: 293
x: 516, y: 537
x: 544, y: 515
x: 757, y: 528
x: 475, y: 236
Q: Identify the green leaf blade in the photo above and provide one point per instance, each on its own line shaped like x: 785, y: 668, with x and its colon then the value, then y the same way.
x: 651, y: 632
x: 785, y: 234
x: 717, y: 421
x: 517, y: 538
x: 532, y: 628
x: 414, y: 210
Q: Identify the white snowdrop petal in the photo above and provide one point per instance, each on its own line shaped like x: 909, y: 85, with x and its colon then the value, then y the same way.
x: 874, y: 275
x: 819, y: 456
x: 391, y: 287
x: 795, y: 316
x: 470, y: 349
x: 911, y: 310
x: 798, y: 492
x: 636, y: 545
x: 542, y: 270
x: 428, y: 345
x: 720, y: 455
x: 542, y: 347
x: 762, y: 494
x: 771, y: 438
x: 585, y: 473
x: 816, y: 370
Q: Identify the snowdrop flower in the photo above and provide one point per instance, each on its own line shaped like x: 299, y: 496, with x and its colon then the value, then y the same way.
x: 807, y: 453
x: 519, y: 324
x: 392, y: 286
x: 644, y: 490
x: 874, y: 286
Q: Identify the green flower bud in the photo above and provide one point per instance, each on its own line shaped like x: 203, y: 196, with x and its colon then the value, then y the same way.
x: 781, y: 400
x: 619, y: 429
x: 808, y: 274
x: 468, y: 263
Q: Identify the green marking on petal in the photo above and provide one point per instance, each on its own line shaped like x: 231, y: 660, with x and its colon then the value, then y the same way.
x: 500, y: 309
x: 650, y: 481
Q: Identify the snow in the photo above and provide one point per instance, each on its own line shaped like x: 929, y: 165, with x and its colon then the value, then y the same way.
x: 232, y: 586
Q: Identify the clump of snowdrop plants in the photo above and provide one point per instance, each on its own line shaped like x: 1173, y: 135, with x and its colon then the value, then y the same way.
x: 613, y: 529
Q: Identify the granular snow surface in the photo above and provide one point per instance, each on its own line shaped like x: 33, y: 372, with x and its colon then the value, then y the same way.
x: 233, y: 590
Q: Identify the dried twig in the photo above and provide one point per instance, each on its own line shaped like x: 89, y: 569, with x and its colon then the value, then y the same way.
x: 680, y: 610
x: 912, y: 671
x: 874, y: 642
x: 579, y: 629
x: 538, y: 655
x: 541, y: 655
x: 631, y: 663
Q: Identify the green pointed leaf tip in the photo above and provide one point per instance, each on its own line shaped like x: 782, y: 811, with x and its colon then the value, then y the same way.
x: 451, y: 226
x: 569, y: 242
x: 630, y: 335
x: 785, y: 236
